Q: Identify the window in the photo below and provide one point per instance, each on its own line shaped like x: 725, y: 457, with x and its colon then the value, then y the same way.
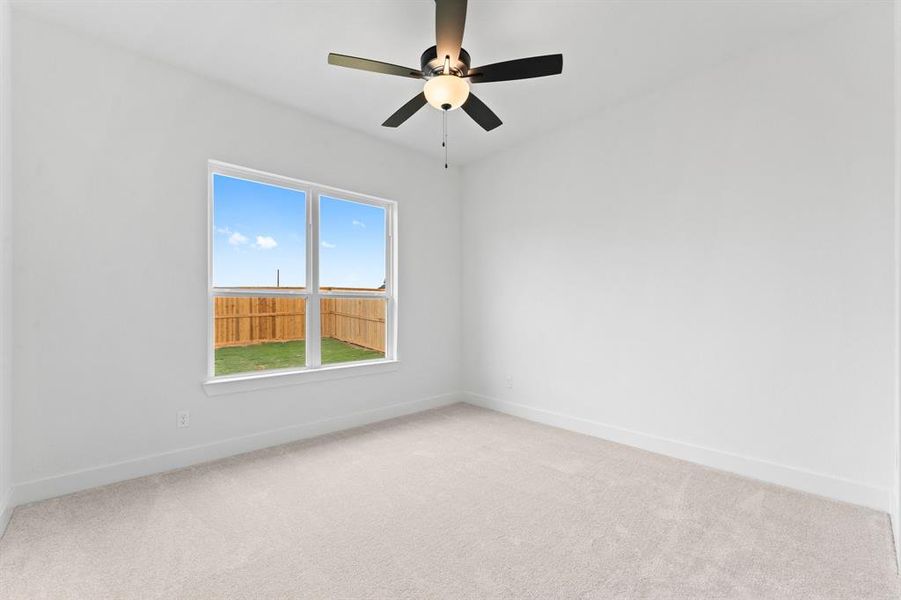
x: 301, y: 276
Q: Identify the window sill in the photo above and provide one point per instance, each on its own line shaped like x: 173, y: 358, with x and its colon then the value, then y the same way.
x: 273, y: 379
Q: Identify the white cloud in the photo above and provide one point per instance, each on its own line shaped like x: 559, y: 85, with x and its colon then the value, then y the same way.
x: 360, y: 224
x: 327, y: 245
x: 236, y: 239
x: 224, y: 230
x: 264, y: 242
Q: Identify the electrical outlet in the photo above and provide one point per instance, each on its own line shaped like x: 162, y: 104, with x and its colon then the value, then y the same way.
x: 183, y: 419
x: 508, y: 381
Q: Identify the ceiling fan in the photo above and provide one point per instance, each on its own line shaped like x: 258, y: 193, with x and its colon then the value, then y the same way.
x: 446, y: 69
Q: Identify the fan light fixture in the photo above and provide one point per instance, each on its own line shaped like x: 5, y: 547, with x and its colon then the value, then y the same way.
x: 448, y: 74
x: 447, y: 69
x: 446, y: 92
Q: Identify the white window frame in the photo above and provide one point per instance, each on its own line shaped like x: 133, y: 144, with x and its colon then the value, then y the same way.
x: 314, y: 369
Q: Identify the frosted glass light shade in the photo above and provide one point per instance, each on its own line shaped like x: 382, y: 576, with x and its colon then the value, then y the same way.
x: 446, y: 89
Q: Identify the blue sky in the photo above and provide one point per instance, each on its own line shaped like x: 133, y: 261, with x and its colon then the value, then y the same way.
x: 352, y: 244
x: 259, y: 228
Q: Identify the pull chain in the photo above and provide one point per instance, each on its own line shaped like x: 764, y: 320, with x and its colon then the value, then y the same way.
x: 444, y: 137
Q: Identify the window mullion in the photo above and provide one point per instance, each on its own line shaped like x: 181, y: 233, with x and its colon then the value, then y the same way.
x: 314, y: 344
x: 256, y: 292
x: 352, y: 295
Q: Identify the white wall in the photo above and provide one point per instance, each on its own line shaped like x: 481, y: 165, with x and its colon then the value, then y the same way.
x: 5, y: 268
x: 706, y: 271
x: 110, y: 276
x: 895, y: 510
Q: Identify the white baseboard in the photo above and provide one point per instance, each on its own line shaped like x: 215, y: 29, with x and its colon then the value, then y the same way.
x: 6, y: 512
x: 896, y: 527
x: 837, y: 488
x: 67, y: 483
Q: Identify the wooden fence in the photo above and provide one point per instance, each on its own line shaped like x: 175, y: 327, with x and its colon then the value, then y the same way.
x: 359, y: 321
x: 255, y: 320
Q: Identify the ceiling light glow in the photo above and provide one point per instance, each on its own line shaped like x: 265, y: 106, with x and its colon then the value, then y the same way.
x: 446, y: 92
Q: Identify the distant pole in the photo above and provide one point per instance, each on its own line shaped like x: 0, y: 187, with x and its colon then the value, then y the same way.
x: 277, y: 278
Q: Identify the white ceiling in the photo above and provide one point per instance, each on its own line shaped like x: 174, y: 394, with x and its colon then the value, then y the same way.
x: 612, y: 50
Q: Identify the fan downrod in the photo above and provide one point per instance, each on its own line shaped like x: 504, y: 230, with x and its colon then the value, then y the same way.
x: 432, y: 65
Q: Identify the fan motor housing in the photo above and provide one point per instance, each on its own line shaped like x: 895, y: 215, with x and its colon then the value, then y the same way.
x: 432, y: 65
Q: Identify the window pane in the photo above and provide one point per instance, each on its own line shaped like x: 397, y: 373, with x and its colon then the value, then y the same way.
x: 352, y: 245
x: 352, y: 329
x: 259, y: 333
x: 259, y: 234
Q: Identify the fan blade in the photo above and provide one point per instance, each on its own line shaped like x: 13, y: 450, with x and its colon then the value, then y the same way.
x: 406, y: 111
x: 521, y: 68
x: 450, y: 19
x: 480, y: 113
x: 364, y: 64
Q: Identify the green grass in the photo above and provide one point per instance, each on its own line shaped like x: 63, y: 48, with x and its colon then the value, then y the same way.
x: 282, y: 355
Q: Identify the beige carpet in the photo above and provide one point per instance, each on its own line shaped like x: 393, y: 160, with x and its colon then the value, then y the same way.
x: 458, y: 502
